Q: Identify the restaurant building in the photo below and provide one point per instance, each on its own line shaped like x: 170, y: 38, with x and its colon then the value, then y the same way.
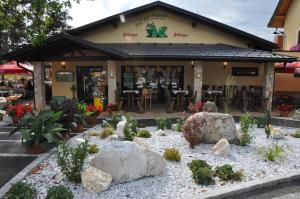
x: 158, y: 46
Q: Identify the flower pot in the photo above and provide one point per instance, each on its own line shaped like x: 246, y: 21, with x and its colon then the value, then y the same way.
x: 34, y: 149
x: 80, y: 128
x: 66, y: 135
x: 91, y: 121
x: 16, y: 120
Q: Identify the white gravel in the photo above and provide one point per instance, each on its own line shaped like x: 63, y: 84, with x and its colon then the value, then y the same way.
x: 177, y: 182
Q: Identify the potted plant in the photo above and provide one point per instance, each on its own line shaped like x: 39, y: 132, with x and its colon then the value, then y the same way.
x: 39, y: 128
x: 285, y: 109
x: 92, y: 112
x: 80, y: 116
x: 17, y: 111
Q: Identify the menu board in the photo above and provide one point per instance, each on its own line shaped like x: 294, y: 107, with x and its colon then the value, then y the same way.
x: 64, y: 76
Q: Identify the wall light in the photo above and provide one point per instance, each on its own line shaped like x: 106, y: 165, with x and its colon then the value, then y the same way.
x: 225, y: 63
x: 63, y: 64
x: 122, y: 19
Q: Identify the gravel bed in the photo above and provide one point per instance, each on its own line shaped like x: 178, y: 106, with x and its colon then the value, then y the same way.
x: 176, y: 181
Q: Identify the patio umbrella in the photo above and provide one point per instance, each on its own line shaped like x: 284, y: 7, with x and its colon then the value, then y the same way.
x: 289, y: 68
x: 13, y: 68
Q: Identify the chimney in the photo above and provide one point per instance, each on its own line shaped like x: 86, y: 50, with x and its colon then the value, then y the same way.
x: 279, y: 41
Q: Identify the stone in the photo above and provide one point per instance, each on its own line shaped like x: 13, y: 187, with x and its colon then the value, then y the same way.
x: 210, y: 107
x: 95, y: 180
x: 75, y: 142
x: 205, y: 127
x: 120, y: 128
x: 296, y: 115
x: 160, y: 132
x: 174, y: 127
x: 113, y: 137
x: 141, y: 142
x: 276, y: 133
x: 127, y: 161
x: 222, y: 148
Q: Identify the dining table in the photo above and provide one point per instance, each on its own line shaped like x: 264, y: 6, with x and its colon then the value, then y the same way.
x: 130, y: 97
x: 180, y: 98
x: 214, y: 94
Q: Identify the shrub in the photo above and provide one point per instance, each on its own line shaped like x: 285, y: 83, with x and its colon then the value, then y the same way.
x: 179, y: 124
x: 71, y: 160
x: 296, y: 134
x: 164, y: 123
x: 226, y: 173
x: 168, y: 122
x: 21, y: 190
x: 144, y: 134
x: 272, y: 152
x: 201, y: 172
x: 268, y: 130
x: 246, y: 124
x: 95, y: 133
x: 172, y: 154
x: 93, y: 149
x: 59, y: 192
x: 115, y: 119
x: 261, y: 122
x: 131, y: 129
x: 106, y: 132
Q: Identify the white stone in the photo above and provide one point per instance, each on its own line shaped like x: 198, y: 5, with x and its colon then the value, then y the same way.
x: 75, y: 142
x: 95, y: 180
x: 120, y: 128
x: 113, y: 137
x: 222, y: 148
x: 276, y: 133
x: 140, y: 142
x: 160, y: 132
x: 174, y: 127
x: 127, y: 161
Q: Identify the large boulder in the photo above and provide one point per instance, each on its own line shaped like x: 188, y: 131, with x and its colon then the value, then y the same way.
x: 222, y: 148
x: 208, y: 127
x: 127, y: 161
x: 95, y: 180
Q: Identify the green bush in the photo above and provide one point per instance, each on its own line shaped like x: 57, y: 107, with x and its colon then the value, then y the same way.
x: 144, y: 133
x: 93, y: 149
x: 172, y: 154
x: 21, y: 190
x: 59, y: 192
x: 71, y: 160
x: 272, y: 152
x: 179, y: 124
x: 164, y: 123
x: 115, y: 119
x: 131, y: 129
x: 106, y: 132
x: 261, y: 122
x: 201, y: 172
x: 226, y: 173
x: 246, y: 124
x: 296, y: 134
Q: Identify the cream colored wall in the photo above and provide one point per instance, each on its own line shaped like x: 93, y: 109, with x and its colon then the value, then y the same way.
x: 176, y: 24
x: 63, y: 88
x: 292, y: 25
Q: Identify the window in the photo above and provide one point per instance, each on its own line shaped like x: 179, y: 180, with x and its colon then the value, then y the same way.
x: 244, y: 71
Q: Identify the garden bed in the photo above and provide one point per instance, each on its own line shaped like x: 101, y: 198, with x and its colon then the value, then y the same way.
x: 176, y: 181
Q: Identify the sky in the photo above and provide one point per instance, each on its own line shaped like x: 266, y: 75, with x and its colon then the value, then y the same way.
x: 251, y: 16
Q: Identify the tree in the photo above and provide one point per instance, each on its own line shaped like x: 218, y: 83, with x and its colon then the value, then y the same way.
x: 31, y: 21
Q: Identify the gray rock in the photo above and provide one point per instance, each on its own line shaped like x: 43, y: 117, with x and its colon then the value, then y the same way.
x: 210, y: 107
x: 222, y: 148
x: 75, y: 142
x: 95, y: 180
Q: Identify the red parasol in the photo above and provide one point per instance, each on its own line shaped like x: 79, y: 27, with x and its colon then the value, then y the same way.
x: 288, y: 68
x: 13, y: 68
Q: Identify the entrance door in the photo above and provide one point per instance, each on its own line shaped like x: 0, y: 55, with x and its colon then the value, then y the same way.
x: 90, y: 79
x: 160, y: 79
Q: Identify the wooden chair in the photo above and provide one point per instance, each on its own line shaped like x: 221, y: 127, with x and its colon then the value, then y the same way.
x: 147, y: 97
x: 119, y: 100
x: 192, y: 99
x: 170, y: 102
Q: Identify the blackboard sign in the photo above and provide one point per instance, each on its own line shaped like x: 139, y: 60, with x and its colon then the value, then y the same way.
x: 64, y: 76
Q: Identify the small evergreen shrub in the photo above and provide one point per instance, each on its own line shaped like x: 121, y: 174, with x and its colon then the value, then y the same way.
x: 172, y: 154
x: 246, y: 124
x: 93, y: 149
x: 106, y: 132
x: 21, y: 190
x: 144, y: 133
x: 273, y: 152
x: 59, y: 192
x: 226, y: 173
x: 70, y: 160
x: 115, y: 119
x: 179, y: 124
x: 164, y: 123
x: 131, y: 129
x: 168, y: 122
x: 296, y: 134
x: 201, y: 172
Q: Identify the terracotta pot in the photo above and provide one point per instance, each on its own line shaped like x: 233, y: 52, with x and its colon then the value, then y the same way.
x: 66, y: 135
x: 80, y: 128
x: 284, y: 113
x: 16, y: 120
x: 91, y: 120
x: 34, y: 149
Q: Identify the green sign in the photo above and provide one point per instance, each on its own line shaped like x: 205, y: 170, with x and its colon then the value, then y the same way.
x: 153, y: 32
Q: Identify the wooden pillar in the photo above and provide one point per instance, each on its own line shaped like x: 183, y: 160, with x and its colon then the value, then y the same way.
x: 39, y: 85
x: 198, y: 78
x: 268, y: 84
x: 112, y: 80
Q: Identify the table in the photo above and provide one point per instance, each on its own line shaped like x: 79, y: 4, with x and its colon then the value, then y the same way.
x: 180, y: 97
x: 2, y: 93
x: 214, y: 94
x: 130, y: 97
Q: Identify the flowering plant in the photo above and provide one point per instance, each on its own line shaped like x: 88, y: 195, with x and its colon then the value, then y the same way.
x: 19, y: 110
x: 295, y: 47
x: 285, y: 107
x: 197, y: 107
x: 93, y: 111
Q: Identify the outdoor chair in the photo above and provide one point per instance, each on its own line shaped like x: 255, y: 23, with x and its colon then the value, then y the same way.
x: 138, y: 99
x: 120, y: 100
x: 170, y: 102
x: 192, y: 99
x: 147, y: 98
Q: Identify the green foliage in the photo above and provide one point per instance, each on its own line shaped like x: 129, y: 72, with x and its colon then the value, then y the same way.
x: 164, y: 123
x: 131, y: 129
x: 246, y: 124
x: 71, y: 160
x: 40, y: 127
x: 272, y: 152
x: 93, y: 149
x: 106, y: 132
x: 144, y: 133
x: 21, y: 190
x: 179, y: 124
x: 226, y: 173
x: 268, y: 130
x: 115, y: 119
x: 59, y: 192
x: 296, y: 134
x: 261, y: 122
x: 172, y: 154
x: 201, y: 172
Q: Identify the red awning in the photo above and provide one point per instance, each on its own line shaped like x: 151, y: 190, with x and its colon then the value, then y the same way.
x: 13, y: 68
x: 288, y: 68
